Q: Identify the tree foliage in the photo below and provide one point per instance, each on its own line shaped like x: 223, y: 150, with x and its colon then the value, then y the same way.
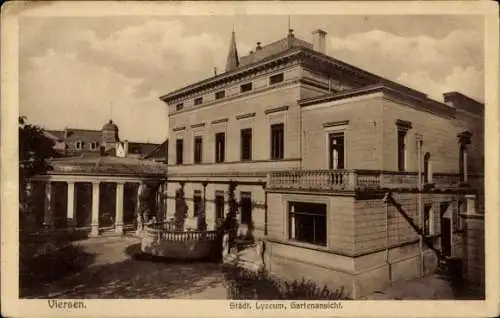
x: 34, y: 149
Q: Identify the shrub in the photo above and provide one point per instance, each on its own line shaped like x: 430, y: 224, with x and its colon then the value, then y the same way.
x: 246, y: 284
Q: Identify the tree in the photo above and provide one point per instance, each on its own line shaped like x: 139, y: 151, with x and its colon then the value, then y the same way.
x: 34, y: 150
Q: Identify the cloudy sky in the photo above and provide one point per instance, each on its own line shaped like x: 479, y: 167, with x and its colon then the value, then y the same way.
x: 80, y: 71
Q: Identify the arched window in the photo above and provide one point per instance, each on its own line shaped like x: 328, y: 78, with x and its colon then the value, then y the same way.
x: 427, y: 168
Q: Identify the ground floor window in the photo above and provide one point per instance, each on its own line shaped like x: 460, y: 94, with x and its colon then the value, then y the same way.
x: 219, y: 207
x: 307, y: 222
x: 246, y: 207
x: 198, y: 203
x: 427, y: 219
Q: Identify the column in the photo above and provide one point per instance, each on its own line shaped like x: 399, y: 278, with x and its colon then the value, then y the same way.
x: 139, y: 206
x: 49, y: 206
x: 119, y: 208
x: 95, y: 209
x: 70, y: 211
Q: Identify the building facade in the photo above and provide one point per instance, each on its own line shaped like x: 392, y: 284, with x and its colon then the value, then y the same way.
x: 349, y: 177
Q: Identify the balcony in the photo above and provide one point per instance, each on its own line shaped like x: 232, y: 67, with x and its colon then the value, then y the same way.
x: 352, y: 180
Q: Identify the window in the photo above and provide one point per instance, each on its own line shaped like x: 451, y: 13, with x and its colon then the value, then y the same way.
x: 220, y: 145
x: 198, y: 101
x: 462, y: 162
x: 401, y: 150
x: 198, y: 149
x: 246, y: 87
x: 461, y: 209
x: 246, y: 208
x: 427, y: 228
x: 179, y: 106
x: 307, y: 222
x: 336, y: 151
x: 94, y: 145
x: 198, y: 203
x: 220, y: 95
x: 246, y: 144
x: 277, y: 141
x: 427, y: 168
x: 219, y: 208
x: 278, y: 78
x: 179, y: 149
x: 79, y: 145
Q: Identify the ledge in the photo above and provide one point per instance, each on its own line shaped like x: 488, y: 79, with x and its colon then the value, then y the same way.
x: 198, y: 125
x: 243, y: 116
x: 218, y: 121
x: 276, y: 109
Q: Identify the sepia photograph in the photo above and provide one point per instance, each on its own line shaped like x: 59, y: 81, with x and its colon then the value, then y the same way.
x: 293, y: 161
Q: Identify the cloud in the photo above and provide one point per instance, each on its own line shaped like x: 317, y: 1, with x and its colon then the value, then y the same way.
x: 433, y: 65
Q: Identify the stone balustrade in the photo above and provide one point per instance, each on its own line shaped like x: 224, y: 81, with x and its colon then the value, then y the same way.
x: 351, y: 180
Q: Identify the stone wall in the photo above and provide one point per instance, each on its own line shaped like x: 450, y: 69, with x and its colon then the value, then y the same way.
x: 474, y: 249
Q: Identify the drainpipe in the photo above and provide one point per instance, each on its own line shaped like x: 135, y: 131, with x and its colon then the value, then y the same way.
x: 419, y: 201
x: 387, y: 197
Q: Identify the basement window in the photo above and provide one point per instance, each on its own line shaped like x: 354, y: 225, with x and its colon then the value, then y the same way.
x: 275, y: 79
x: 246, y: 87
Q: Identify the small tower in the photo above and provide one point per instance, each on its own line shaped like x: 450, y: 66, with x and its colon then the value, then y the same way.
x: 109, y: 135
x: 232, y: 61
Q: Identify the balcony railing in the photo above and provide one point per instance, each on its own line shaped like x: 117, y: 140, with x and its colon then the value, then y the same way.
x: 350, y: 180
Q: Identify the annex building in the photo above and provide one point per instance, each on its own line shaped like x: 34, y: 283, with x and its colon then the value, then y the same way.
x: 350, y: 179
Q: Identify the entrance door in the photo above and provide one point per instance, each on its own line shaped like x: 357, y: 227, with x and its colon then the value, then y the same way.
x: 445, y: 228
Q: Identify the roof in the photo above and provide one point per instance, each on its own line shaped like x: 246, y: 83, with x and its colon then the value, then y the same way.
x: 160, y: 152
x: 75, y: 134
x: 273, y: 49
x: 278, y: 50
x: 141, y: 147
x: 106, y: 166
x: 423, y: 101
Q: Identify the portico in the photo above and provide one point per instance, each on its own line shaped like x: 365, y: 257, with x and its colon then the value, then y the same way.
x: 137, y: 192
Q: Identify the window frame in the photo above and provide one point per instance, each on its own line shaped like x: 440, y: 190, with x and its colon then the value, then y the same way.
x: 198, y: 101
x: 246, y: 132
x: 291, y: 222
x: 179, y: 106
x: 179, y: 156
x: 277, y: 152
x: 402, y: 153
x: 198, y: 140
x: 220, y: 95
x: 247, y: 87
x: 220, y: 157
x: 429, y: 230
x: 331, y: 148
x: 280, y: 79
x: 197, y: 198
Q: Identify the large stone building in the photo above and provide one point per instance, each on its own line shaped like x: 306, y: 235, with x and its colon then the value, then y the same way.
x: 347, y: 176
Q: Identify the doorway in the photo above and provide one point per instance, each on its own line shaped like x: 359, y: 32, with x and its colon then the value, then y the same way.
x: 446, y: 221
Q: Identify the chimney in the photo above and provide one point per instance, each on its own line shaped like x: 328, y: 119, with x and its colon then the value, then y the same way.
x: 125, y: 147
x: 258, y: 47
x: 290, y: 37
x: 66, y: 133
x: 319, y: 40
x: 215, y: 71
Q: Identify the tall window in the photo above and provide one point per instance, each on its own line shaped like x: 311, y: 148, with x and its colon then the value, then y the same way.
x: 219, y: 207
x: 246, y: 144
x: 336, y: 151
x: 220, y: 146
x: 79, y: 145
x: 278, y: 78
x: 198, y: 149
x: 307, y: 222
x: 427, y: 219
x: 198, y: 203
x: 246, y: 207
x: 179, y: 150
x: 277, y: 141
x: 401, y: 150
x: 427, y: 168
